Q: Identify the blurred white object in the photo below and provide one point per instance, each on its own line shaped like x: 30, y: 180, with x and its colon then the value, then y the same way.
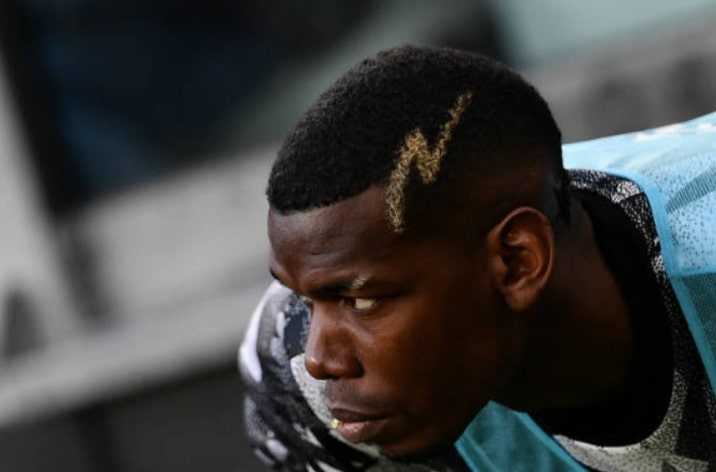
x: 29, y: 261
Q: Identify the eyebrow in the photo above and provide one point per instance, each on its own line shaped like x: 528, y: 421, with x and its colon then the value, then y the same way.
x: 359, y: 281
x: 337, y: 287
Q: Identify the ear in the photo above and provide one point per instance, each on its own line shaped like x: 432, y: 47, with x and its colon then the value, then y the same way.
x: 520, y: 256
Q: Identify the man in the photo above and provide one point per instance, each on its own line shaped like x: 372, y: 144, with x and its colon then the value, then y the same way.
x: 448, y: 297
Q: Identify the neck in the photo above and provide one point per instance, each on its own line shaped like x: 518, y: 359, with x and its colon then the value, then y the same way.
x: 578, y: 342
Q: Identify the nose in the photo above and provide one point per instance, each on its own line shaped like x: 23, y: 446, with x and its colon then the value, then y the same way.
x: 330, y: 349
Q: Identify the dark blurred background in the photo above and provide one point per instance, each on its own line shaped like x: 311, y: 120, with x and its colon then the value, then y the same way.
x: 135, y: 139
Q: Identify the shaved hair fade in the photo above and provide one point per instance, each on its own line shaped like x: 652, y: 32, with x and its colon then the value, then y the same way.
x: 426, y: 124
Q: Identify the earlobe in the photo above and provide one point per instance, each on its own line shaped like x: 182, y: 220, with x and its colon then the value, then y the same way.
x: 520, y: 253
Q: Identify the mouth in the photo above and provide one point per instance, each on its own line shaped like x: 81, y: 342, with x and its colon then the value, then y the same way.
x: 359, y: 427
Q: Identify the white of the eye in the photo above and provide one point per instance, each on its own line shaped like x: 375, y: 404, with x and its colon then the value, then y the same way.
x: 363, y: 303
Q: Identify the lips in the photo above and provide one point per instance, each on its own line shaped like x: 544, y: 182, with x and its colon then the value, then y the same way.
x: 357, y: 427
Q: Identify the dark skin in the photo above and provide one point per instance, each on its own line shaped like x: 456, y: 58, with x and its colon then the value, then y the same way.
x: 415, y: 333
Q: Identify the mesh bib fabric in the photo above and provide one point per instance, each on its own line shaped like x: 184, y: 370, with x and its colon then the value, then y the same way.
x: 676, y: 167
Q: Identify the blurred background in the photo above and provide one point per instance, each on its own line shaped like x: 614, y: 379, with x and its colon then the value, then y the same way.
x: 135, y: 140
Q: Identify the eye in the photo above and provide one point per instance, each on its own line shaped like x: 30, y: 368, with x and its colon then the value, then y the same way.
x: 361, y: 304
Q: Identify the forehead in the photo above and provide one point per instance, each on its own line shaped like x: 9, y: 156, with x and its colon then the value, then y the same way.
x: 322, y: 250
x: 355, y: 227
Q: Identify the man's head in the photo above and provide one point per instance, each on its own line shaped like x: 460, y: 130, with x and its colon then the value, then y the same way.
x: 408, y: 209
x: 471, y: 118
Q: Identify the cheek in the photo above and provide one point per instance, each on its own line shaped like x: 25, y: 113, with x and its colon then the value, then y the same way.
x: 425, y: 352
x: 471, y: 344
x: 435, y: 367
x: 440, y: 374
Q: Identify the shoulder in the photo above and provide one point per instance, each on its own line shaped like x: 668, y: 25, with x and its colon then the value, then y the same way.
x: 262, y: 330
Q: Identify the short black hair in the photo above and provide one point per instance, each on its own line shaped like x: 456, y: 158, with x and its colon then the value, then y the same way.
x: 351, y: 138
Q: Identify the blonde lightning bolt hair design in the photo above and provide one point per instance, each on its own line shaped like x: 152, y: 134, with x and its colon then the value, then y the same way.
x: 416, y: 149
